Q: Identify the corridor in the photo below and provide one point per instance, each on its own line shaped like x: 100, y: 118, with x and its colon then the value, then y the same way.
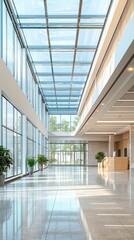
x: 68, y: 203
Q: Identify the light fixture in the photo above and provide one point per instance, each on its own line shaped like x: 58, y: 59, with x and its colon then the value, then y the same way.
x: 126, y: 100
x: 102, y: 104
x: 121, y: 106
x: 130, y: 69
x: 100, y: 133
x: 115, y: 121
x: 120, y: 111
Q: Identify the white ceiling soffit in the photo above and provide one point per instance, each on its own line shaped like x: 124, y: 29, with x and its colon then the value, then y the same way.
x: 113, y: 111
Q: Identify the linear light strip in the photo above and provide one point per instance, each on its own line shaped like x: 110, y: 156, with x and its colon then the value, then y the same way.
x: 126, y: 100
x: 115, y: 121
x: 121, y: 111
x: 122, y: 106
x: 100, y: 133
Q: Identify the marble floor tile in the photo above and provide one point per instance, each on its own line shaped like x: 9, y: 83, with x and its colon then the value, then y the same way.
x: 68, y: 203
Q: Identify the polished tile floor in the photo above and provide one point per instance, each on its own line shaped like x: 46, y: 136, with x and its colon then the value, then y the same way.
x: 68, y: 203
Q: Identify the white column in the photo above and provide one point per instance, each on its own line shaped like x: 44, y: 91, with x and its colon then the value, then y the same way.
x: 46, y: 120
x: 36, y: 98
x: 131, y: 146
x: 24, y: 71
x: 111, y: 145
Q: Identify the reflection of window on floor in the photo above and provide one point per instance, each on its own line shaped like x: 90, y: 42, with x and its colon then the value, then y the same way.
x: 119, y: 152
x: 125, y: 152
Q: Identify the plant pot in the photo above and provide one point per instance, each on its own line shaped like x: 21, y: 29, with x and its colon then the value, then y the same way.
x: 31, y: 170
x: 41, y: 167
x: 2, y: 180
x: 99, y: 164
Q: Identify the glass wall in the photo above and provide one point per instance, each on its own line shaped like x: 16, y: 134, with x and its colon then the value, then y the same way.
x: 31, y: 88
x: 67, y: 153
x: 36, y: 142
x: 12, y: 135
x: 16, y: 58
x: 46, y: 147
x: 31, y: 139
x: 17, y: 62
x: 11, y: 48
x: 63, y: 123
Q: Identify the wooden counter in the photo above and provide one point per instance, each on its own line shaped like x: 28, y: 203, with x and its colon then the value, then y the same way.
x: 116, y: 163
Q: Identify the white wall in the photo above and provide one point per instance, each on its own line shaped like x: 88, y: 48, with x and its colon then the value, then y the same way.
x: 93, y: 148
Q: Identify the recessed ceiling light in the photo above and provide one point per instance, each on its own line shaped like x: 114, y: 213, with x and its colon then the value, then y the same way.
x: 130, y: 69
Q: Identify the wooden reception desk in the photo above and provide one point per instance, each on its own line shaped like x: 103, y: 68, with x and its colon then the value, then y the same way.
x: 116, y: 163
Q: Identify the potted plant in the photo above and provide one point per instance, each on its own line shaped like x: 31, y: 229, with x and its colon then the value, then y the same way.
x: 5, y: 162
x: 31, y: 162
x: 42, y: 160
x: 99, y: 156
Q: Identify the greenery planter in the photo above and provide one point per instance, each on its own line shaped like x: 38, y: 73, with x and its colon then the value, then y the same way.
x: 31, y: 170
x: 31, y: 163
x: 2, y: 180
x: 5, y: 163
x: 41, y: 167
x: 99, y: 165
x: 100, y: 156
x: 42, y: 160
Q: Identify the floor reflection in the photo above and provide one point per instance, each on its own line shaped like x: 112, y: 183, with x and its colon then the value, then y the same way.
x: 68, y: 203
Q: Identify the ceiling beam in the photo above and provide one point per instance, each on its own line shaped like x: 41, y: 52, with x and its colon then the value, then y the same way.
x: 59, y: 63
x: 100, y: 16
x: 60, y: 74
x: 60, y: 48
x: 59, y: 26
x: 62, y: 82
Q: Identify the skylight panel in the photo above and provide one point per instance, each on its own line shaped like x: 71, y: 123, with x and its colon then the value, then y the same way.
x: 29, y: 7
x: 84, y: 56
x: 62, y: 37
x: 66, y: 7
x: 89, y: 37
x: 40, y: 56
x: 95, y: 7
x: 36, y: 37
x: 61, y: 56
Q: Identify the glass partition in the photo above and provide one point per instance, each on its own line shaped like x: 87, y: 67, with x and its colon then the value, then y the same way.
x: 12, y: 135
x: 67, y: 153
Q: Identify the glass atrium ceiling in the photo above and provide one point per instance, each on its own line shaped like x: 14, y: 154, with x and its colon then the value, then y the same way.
x: 62, y: 37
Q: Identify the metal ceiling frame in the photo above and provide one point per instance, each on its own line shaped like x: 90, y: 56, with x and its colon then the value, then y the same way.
x: 59, y: 84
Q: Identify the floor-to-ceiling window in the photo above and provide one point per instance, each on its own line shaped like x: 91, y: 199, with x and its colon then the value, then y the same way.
x: 12, y: 135
x: 67, y: 153
x: 31, y: 139
x: 63, y: 123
